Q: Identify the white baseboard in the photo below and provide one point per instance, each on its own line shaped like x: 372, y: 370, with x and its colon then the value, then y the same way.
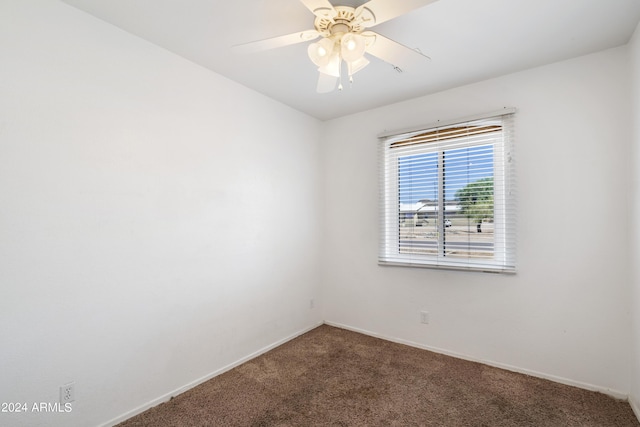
x: 634, y: 402
x: 614, y: 393
x: 167, y: 396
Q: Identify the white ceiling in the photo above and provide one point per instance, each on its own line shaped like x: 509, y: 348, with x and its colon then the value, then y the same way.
x: 468, y: 41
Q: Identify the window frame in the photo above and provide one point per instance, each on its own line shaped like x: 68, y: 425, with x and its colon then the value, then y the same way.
x: 390, y: 251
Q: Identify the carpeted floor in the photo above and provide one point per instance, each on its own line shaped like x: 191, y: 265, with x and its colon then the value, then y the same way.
x: 334, y: 377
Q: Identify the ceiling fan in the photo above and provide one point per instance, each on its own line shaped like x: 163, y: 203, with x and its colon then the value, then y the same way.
x: 345, y: 38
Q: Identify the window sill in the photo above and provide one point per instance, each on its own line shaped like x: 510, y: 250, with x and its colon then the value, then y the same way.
x: 480, y: 269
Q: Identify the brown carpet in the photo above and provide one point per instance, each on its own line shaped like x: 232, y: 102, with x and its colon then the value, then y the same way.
x: 334, y: 377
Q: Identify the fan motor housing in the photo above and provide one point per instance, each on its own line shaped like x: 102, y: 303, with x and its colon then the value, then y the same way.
x: 343, y: 22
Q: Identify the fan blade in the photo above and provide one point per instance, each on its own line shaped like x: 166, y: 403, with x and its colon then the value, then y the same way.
x: 276, y: 42
x: 376, y: 12
x: 396, y: 54
x: 326, y: 83
x: 320, y: 8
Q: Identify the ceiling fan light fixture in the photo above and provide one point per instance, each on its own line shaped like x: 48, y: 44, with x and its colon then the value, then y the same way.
x: 320, y: 52
x: 352, y: 47
x: 332, y: 66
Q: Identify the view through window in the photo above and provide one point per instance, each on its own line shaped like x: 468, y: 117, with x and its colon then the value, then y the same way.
x: 467, y: 187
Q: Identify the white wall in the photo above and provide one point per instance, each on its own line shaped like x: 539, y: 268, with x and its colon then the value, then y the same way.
x: 158, y: 222
x: 565, y: 314
x: 142, y: 197
x: 634, y: 48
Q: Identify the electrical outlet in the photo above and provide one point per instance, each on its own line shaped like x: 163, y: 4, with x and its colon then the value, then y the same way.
x: 67, y: 393
x: 424, y: 317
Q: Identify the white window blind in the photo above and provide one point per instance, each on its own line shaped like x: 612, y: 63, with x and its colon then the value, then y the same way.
x: 447, y: 195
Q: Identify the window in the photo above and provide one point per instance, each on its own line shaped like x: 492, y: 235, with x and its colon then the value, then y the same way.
x: 447, y: 195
